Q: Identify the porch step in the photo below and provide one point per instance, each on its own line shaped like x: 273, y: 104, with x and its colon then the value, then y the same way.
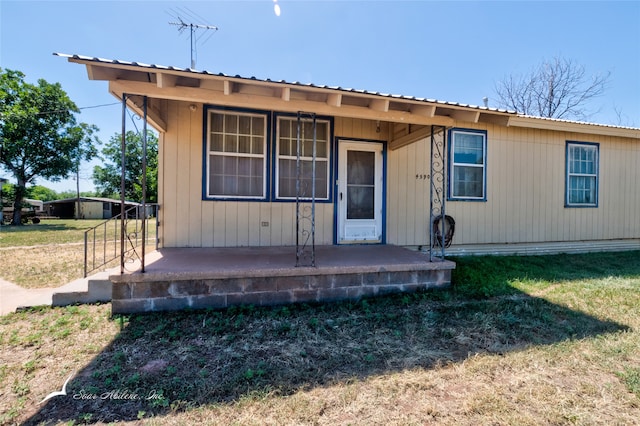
x: 93, y: 289
x: 176, y: 294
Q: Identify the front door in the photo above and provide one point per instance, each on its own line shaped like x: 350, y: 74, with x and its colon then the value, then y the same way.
x: 360, y: 181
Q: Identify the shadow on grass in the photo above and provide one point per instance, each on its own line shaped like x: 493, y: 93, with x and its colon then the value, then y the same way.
x: 35, y: 227
x: 166, y: 362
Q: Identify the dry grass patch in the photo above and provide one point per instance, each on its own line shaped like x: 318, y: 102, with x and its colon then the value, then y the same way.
x: 51, y: 254
x: 41, y: 347
x: 531, y: 387
x: 568, y: 356
x: 43, y: 266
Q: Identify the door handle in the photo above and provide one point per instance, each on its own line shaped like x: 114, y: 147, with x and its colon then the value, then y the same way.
x: 341, y: 196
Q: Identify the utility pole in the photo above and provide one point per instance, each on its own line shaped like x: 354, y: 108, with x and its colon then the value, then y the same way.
x: 78, y: 189
x: 192, y: 29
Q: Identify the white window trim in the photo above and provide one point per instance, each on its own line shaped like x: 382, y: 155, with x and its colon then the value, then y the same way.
x: 452, y: 186
x: 210, y: 152
x: 596, y: 175
x: 326, y: 160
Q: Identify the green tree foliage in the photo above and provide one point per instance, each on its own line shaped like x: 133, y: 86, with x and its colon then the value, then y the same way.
x: 39, y: 134
x: 107, y: 178
x: 64, y: 195
x: 42, y: 193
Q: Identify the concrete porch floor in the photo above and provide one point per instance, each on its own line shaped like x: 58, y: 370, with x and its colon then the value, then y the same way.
x: 200, y: 278
x: 199, y: 263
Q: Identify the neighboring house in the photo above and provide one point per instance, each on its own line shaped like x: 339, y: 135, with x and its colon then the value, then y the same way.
x: 90, y: 208
x: 227, y: 177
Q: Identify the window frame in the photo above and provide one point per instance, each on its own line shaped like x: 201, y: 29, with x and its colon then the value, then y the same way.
x: 276, y: 158
x: 568, y: 174
x: 208, y: 112
x: 452, y: 164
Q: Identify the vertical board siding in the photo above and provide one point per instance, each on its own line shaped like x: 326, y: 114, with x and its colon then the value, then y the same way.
x: 189, y: 221
x: 410, y: 203
x: 265, y: 231
x: 401, y: 200
x: 193, y: 119
x: 392, y: 197
x: 525, y: 191
x: 231, y: 223
x: 161, y: 173
x: 183, y: 179
x: 530, y: 199
x: 360, y: 129
x: 422, y: 194
x: 170, y: 173
x: 219, y: 224
x: 408, y: 194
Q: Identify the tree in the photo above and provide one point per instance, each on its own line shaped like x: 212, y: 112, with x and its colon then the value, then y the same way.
x: 68, y: 194
x: 107, y: 178
x: 42, y: 193
x: 559, y: 88
x: 39, y: 134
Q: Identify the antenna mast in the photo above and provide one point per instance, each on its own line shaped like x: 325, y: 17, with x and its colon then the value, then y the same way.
x: 192, y: 29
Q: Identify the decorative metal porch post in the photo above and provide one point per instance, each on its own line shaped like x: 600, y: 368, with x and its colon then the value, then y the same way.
x: 122, y: 178
x: 305, y: 214
x: 437, y: 193
x: 124, y: 236
x: 144, y: 181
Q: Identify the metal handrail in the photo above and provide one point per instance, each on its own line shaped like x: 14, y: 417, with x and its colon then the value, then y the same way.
x: 107, y: 235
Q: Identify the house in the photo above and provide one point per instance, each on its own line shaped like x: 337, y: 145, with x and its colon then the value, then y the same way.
x: 386, y: 167
x: 90, y: 208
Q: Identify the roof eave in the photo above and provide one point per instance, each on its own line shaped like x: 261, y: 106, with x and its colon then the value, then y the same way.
x: 573, y: 126
x: 185, y: 84
x: 387, y: 107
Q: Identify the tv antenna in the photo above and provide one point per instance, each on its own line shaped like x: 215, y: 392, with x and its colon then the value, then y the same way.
x: 182, y: 26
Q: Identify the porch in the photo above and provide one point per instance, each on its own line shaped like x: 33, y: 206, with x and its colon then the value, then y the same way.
x: 199, y: 278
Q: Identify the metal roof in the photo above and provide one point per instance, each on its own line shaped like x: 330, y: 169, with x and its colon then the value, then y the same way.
x: 511, y: 113
x: 562, y: 120
x: 268, y: 80
x: 93, y: 199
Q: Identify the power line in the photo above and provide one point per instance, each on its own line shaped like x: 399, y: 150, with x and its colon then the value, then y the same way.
x: 66, y: 110
x: 99, y: 106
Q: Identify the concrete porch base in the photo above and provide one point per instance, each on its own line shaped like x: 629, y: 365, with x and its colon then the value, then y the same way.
x: 198, y: 278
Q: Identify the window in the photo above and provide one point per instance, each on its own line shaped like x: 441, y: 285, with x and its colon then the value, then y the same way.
x: 468, y: 164
x: 236, y: 160
x: 582, y: 175
x: 286, y: 173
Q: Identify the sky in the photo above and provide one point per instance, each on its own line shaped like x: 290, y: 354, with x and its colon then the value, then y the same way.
x: 446, y: 50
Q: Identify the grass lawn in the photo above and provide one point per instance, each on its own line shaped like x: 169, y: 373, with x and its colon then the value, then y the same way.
x: 49, y: 231
x: 48, y: 254
x: 517, y: 340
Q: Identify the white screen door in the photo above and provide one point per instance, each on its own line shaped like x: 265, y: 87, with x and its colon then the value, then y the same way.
x: 359, y: 192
